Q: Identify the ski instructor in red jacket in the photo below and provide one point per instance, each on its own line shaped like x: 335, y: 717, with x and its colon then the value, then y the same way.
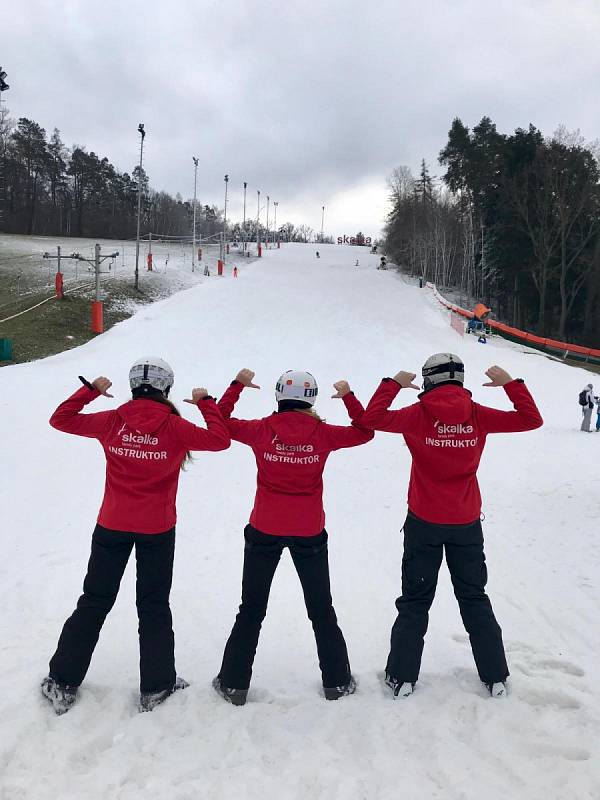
x: 291, y: 447
x: 446, y: 433
x: 146, y: 443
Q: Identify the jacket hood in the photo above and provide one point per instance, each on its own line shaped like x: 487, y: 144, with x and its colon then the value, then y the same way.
x: 144, y: 416
x: 449, y: 403
x: 292, y: 427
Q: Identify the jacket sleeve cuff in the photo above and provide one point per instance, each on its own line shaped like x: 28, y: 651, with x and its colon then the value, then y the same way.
x: 391, y: 385
x: 513, y: 383
x: 86, y: 395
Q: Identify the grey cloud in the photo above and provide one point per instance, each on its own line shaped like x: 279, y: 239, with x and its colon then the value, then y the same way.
x: 300, y: 99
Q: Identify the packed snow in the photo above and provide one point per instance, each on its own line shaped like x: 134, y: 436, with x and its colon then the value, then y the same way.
x: 23, y: 259
x: 450, y: 740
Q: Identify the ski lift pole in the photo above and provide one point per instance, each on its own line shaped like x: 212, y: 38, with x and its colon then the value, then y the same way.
x: 58, y: 279
x: 220, y: 261
x: 59, y: 276
x: 97, y: 312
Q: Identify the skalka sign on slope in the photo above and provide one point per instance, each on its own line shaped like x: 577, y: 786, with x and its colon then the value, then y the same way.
x: 359, y: 239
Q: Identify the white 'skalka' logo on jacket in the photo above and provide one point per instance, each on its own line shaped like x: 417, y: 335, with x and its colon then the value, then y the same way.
x: 446, y: 435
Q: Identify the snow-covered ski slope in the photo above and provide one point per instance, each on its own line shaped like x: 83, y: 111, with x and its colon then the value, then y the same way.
x: 449, y: 741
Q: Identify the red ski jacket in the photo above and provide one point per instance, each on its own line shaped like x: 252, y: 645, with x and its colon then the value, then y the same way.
x: 446, y: 433
x: 291, y: 449
x: 144, y: 444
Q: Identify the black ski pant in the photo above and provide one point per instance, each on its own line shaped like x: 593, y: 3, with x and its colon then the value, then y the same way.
x: 154, y: 561
x: 424, y: 546
x: 261, y: 557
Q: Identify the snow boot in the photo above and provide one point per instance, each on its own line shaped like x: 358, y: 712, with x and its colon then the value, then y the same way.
x: 335, y: 692
x: 497, y: 689
x: 399, y: 688
x: 60, y: 696
x: 236, y: 697
x: 149, y: 700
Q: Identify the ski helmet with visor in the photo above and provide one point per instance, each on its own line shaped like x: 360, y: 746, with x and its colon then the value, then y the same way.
x: 151, y: 374
x: 442, y: 368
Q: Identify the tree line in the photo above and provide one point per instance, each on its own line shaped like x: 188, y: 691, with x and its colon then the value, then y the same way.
x: 48, y: 188
x: 514, y: 223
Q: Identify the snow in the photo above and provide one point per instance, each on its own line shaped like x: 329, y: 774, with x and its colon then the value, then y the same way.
x: 172, y: 264
x: 449, y: 741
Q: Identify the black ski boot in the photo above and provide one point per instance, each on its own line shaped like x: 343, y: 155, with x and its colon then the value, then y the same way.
x: 335, y: 692
x: 399, y: 688
x: 149, y: 700
x: 236, y: 697
x: 60, y: 696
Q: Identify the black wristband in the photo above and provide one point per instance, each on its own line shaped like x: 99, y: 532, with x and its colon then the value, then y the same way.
x: 87, y: 384
x: 207, y: 397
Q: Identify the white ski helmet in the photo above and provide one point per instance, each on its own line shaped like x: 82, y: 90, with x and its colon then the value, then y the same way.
x: 294, y: 385
x: 440, y: 368
x: 151, y: 372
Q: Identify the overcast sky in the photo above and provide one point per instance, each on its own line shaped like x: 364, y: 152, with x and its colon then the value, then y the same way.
x: 313, y: 103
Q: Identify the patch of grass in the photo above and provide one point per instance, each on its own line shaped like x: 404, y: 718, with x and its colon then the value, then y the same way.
x: 60, y: 325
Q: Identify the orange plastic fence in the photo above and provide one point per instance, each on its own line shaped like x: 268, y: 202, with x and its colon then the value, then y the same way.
x: 516, y: 333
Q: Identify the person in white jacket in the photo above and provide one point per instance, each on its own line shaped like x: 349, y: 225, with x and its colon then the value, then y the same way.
x: 587, y: 409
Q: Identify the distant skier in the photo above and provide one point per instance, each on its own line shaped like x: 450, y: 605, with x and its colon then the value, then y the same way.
x: 146, y: 443
x: 317, y: 254
x: 382, y: 263
x: 446, y: 433
x: 291, y: 447
x: 597, y: 399
x: 586, y: 401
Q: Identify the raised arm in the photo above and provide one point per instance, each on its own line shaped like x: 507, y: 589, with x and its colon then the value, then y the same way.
x: 245, y: 377
x: 240, y: 430
x: 525, y: 417
x: 379, y: 418
x: 230, y: 397
x: 214, y: 437
x: 335, y: 437
x: 68, y: 418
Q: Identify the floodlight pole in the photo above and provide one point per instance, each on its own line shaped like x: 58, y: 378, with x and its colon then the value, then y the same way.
x: 139, y: 208
x: 322, y: 222
x: 258, y: 247
x: 244, y: 222
x: 268, y: 203
x: 195, y: 160
x: 226, y: 179
x: 275, y: 204
x: 3, y: 87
